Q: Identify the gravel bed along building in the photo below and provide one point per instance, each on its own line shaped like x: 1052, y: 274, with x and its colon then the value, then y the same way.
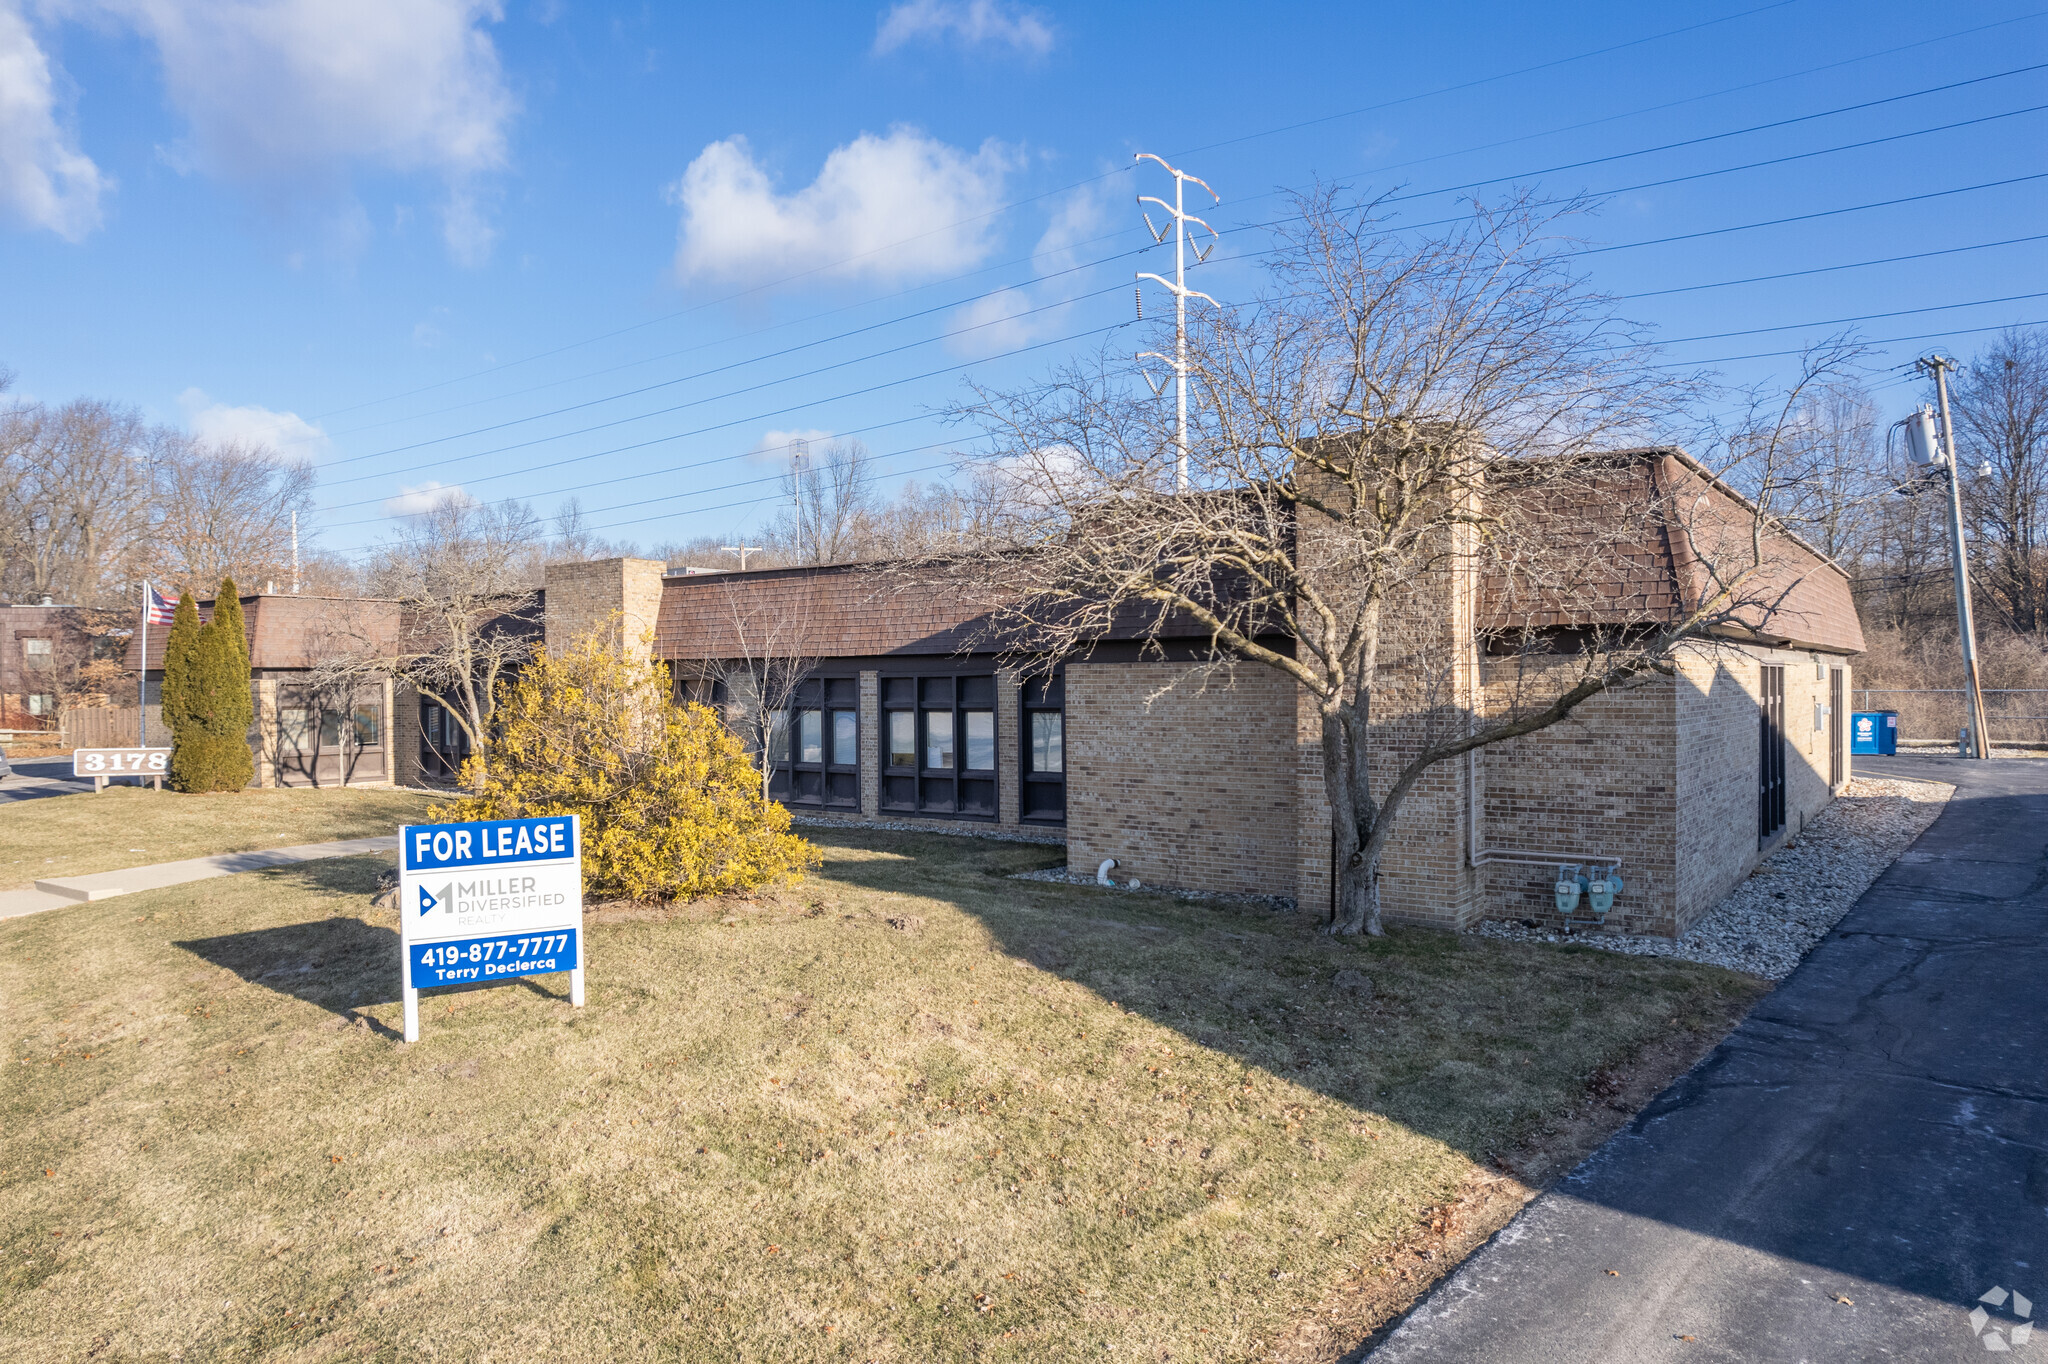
x: 1051, y: 837
x: 1796, y: 894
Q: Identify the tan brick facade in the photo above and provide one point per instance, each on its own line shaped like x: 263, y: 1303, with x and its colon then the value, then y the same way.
x: 1208, y: 776
x: 1186, y: 780
x: 587, y: 596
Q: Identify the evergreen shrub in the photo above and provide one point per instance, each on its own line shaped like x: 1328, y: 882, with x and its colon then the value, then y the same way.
x: 206, y: 697
x: 671, y: 805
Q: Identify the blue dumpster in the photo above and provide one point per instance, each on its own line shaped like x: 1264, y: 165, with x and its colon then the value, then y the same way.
x: 1874, y: 731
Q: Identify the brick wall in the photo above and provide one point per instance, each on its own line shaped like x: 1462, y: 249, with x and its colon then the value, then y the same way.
x: 1718, y: 729
x: 405, y: 736
x: 1193, y: 786
x: 1600, y: 785
x: 585, y: 596
x: 870, y: 743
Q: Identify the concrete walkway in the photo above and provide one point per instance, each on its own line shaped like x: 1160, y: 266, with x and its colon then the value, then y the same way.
x: 70, y: 890
x: 1862, y: 1163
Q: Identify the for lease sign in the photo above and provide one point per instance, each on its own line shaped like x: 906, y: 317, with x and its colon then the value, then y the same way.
x: 487, y: 901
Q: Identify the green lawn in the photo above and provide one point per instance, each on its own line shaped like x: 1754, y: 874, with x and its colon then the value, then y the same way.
x: 130, y: 826
x: 913, y: 1110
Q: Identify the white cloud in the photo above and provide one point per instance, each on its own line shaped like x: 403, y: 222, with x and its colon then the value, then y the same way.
x: 972, y: 23
x: 286, y: 434
x: 425, y: 497
x: 291, y: 96
x: 45, y: 180
x: 1013, y: 317
x: 774, y: 445
x: 891, y: 207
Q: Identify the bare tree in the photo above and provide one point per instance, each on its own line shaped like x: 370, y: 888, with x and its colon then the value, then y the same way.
x: 775, y: 649
x: 830, y: 494
x: 2000, y: 405
x: 458, y: 574
x: 224, y: 509
x: 75, y: 487
x: 1401, y: 414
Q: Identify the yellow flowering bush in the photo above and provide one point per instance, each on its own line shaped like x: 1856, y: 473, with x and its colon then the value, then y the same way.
x: 671, y: 806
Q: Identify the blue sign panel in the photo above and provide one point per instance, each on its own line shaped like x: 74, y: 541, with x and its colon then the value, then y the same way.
x: 462, y: 961
x: 490, y: 843
x: 489, y: 900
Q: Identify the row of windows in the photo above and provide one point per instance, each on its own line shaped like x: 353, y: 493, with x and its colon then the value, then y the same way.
x: 937, y: 751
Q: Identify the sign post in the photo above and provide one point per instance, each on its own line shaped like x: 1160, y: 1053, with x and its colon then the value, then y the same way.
x: 488, y: 901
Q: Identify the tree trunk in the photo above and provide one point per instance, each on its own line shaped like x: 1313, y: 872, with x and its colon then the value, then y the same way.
x: 1356, y: 860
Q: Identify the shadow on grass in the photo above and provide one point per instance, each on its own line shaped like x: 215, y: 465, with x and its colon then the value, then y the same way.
x: 341, y: 964
x: 1473, y: 1041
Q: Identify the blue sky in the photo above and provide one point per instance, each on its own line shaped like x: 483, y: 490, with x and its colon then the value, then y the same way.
x: 400, y: 238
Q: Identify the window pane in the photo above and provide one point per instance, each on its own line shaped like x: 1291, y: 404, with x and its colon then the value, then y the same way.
x: 1047, y: 742
x: 981, y: 740
x: 778, y: 737
x: 902, y: 738
x: 938, y: 738
x: 36, y: 654
x: 294, y: 734
x: 846, y: 737
x: 811, y: 736
x: 330, y: 730
x: 366, y: 727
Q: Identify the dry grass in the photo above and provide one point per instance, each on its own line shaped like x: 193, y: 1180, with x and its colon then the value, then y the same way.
x: 131, y: 826
x: 913, y: 1111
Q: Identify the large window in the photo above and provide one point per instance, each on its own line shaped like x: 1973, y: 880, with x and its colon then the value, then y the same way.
x: 941, y: 746
x: 814, y: 746
x: 36, y: 655
x: 1043, y: 738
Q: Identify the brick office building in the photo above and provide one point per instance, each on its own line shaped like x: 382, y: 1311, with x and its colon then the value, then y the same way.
x: 306, y: 732
x: 1206, y: 775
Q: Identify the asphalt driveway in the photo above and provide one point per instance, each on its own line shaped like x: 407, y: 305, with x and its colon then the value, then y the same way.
x: 36, y: 777
x: 1862, y: 1163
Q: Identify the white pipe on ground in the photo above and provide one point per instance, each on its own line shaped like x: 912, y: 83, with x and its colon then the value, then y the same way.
x: 1102, y: 872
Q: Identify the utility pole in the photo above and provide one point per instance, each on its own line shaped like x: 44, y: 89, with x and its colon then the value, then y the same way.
x: 1183, y: 240
x: 1980, y: 744
x: 799, y: 451
x: 742, y: 550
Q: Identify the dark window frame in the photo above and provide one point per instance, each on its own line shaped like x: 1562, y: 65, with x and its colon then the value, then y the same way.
x: 1041, y: 796
x: 826, y: 783
x: 955, y: 791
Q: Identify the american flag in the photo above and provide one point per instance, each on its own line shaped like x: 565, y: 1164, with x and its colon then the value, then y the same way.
x: 160, y: 609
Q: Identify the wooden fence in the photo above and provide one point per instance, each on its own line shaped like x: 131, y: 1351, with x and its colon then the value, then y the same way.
x: 109, y: 727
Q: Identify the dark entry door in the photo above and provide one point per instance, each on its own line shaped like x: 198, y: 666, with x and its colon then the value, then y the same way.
x: 1836, y: 724
x: 1770, y: 809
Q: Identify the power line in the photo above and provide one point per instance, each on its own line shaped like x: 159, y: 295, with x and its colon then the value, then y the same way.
x: 1809, y: 217
x: 1089, y: 180
x: 594, y: 402
x: 1753, y: 128
x: 743, y: 421
x: 1827, y: 269
x: 696, y: 402
x: 700, y: 464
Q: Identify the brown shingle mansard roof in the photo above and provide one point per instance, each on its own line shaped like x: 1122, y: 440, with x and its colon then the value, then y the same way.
x: 1800, y: 598
x: 866, y: 610
x: 294, y: 632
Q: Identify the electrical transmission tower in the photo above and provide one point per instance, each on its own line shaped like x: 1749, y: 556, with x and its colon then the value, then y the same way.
x: 1183, y: 242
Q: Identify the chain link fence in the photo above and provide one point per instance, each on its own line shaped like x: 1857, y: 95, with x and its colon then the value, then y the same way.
x: 2014, y: 716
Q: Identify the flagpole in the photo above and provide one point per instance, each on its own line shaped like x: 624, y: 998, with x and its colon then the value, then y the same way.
x: 142, y: 677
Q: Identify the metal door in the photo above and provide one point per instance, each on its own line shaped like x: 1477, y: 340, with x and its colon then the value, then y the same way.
x: 1837, y: 748
x: 1770, y: 807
